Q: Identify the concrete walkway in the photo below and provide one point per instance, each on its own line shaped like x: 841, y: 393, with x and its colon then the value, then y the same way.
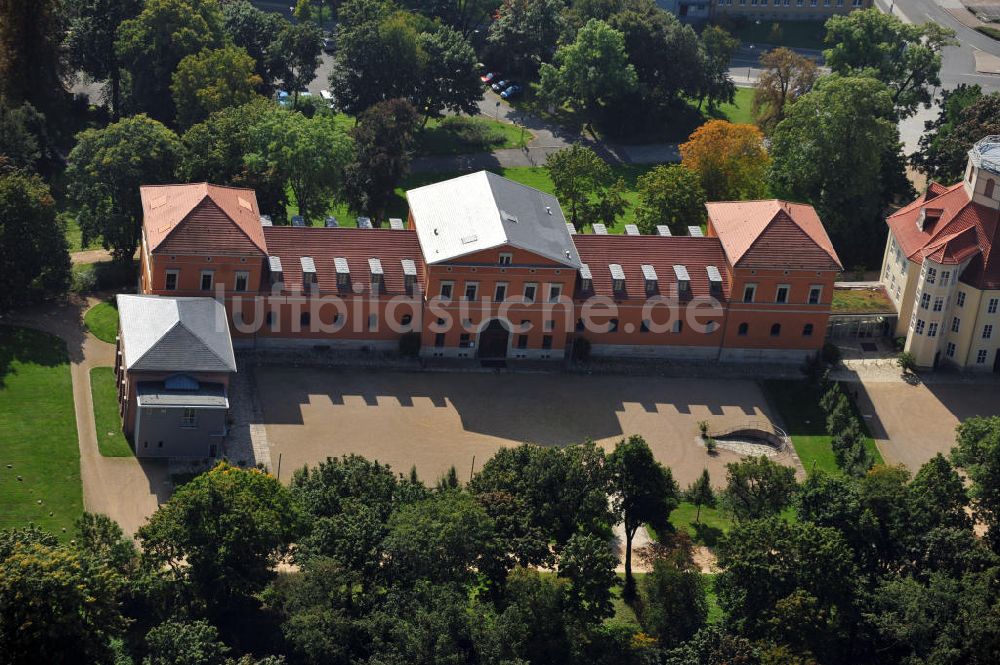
x: 123, y: 488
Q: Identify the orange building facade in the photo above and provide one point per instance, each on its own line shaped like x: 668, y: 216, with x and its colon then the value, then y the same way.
x: 487, y: 268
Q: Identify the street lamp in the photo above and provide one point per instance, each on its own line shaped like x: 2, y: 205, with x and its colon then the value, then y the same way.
x: 751, y: 62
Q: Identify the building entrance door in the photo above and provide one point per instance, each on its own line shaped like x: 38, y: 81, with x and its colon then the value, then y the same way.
x: 493, y: 341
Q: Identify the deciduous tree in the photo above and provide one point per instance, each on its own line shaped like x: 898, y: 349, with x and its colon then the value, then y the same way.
x: 296, y: 52
x: 212, y: 80
x: 978, y: 453
x: 674, y: 603
x: 643, y: 491
x: 589, y: 565
x: 223, y: 533
x: 700, y: 493
x: 32, y: 63
x: 591, y: 73
x: 106, y: 169
x: 524, y: 33
x: 838, y: 149
x: 33, y: 253
x: 585, y: 182
x: 718, y: 47
x: 670, y: 195
x: 729, y: 158
x: 758, y: 487
x: 906, y: 57
x: 447, y: 79
x: 383, y: 141
x: 90, y: 42
x: 190, y: 642
x: 254, y: 30
x: 966, y: 116
x: 785, y: 77
x: 151, y: 45
x: 24, y: 138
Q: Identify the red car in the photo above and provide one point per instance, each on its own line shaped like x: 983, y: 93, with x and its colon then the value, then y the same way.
x: 490, y: 77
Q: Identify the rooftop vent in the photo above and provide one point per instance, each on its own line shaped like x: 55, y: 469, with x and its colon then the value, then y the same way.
x: 600, y: 229
x: 663, y: 230
x: 570, y: 229
x: 508, y: 217
x: 548, y: 209
x: 298, y: 220
x: 469, y: 239
x: 375, y: 266
x: 631, y: 230
x: 265, y: 220
x: 695, y: 232
x: 331, y: 222
x: 364, y: 222
x: 396, y: 224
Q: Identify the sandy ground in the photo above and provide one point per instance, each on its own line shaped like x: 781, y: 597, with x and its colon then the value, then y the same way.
x: 434, y: 421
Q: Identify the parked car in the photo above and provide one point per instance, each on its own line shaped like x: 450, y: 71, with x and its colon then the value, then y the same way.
x: 512, y: 91
x: 329, y: 46
x: 489, y: 77
x: 327, y: 97
x: 285, y: 98
x: 501, y: 86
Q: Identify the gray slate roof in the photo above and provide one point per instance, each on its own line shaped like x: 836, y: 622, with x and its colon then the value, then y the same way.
x: 483, y: 210
x: 162, y: 334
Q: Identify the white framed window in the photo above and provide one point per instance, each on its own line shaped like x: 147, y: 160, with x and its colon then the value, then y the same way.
x: 207, y: 279
x: 500, y: 292
x: 815, y: 294
x: 931, y: 275
x: 988, y: 331
x: 749, y: 292
x: 471, y: 290
x: 991, y: 308
x: 447, y: 290
x: 956, y: 323
x: 506, y: 258
x: 946, y: 278
x: 960, y: 299
x: 241, y: 281
x: 189, y: 418
x: 981, y: 357
x: 549, y: 325
x: 170, y: 280
x: 781, y: 295
x: 932, y: 330
x: 925, y: 301
x: 920, y: 327
x: 950, y: 350
x: 555, y: 292
x: 938, y: 304
x: 530, y: 291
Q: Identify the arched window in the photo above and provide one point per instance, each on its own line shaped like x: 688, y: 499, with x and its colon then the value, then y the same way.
x: 743, y: 329
x: 775, y: 330
x: 807, y: 330
x: 989, y: 188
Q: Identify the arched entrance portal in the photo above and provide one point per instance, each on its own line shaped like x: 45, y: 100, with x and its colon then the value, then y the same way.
x: 493, y: 341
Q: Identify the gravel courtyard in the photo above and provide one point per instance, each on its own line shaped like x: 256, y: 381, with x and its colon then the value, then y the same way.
x: 435, y: 420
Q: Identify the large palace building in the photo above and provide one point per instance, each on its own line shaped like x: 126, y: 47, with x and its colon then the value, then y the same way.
x: 487, y: 268
x: 942, y: 267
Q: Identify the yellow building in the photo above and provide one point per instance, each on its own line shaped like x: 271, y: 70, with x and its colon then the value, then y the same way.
x: 942, y: 267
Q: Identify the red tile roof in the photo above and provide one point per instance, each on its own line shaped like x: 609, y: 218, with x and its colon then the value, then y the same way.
x: 291, y: 243
x: 772, y: 234
x: 212, y: 216
x: 661, y: 252
x: 961, y: 229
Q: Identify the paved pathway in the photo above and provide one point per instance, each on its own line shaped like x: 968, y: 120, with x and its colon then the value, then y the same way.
x: 123, y: 488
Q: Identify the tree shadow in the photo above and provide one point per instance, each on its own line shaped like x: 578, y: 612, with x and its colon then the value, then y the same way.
x: 705, y: 534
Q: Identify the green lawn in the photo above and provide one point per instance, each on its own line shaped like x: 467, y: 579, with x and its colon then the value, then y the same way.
x: 798, y: 404
x: 861, y: 301
x: 102, y: 321
x: 74, y: 236
x: 740, y: 110
x: 459, y: 135
x: 714, y: 611
x: 707, y: 531
x: 533, y: 176
x: 38, y: 440
x: 110, y: 439
x: 796, y: 34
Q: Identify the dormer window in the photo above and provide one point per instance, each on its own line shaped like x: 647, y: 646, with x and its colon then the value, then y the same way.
x: 617, y: 278
x: 650, y: 279
x: 586, y: 278
x: 683, y: 280
x: 714, y: 280
x: 308, y: 273
x: 277, y: 273
x: 375, y: 268
x: 409, y: 275
x: 343, y: 272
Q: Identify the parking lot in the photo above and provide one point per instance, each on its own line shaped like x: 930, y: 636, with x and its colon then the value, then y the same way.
x: 436, y: 420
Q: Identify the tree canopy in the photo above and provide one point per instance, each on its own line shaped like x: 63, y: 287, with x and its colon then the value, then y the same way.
x: 212, y: 80
x: 729, y: 158
x: 670, y: 195
x: 966, y: 115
